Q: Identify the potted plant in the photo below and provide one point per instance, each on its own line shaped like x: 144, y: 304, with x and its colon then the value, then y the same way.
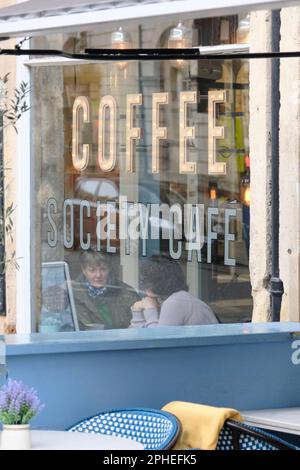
x: 18, y: 405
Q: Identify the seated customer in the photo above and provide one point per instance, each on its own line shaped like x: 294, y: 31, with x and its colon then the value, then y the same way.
x: 167, y: 300
x: 101, y: 300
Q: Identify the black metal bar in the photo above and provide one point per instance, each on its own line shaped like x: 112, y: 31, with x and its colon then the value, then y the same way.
x: 38, y: 52
x: 2, y: 212
x: 142, y: 50
x: 193, y: 53
x: 276, y: 284
x: 147, y: 54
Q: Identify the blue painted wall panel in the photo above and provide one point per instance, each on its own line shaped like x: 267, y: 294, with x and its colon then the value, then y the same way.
x: 242, y: 375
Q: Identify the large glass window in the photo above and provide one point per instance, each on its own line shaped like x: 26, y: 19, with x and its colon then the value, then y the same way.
x: 142, y: 182
x: 143, y: 190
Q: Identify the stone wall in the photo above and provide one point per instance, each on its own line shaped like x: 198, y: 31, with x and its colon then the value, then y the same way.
x: 260, y: 154
x: 289, y: 165
x: 260, y: 127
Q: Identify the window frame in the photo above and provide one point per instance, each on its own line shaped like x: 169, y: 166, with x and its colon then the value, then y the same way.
x: 25, y: 199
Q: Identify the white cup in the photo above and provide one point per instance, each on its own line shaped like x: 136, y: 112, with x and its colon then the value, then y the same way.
x: 137, y: 315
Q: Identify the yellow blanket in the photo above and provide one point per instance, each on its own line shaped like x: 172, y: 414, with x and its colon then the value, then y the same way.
x: 200, y: 424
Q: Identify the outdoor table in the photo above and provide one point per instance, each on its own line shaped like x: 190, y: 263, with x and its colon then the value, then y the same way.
x: 63, y: 440
x: 285, y: 420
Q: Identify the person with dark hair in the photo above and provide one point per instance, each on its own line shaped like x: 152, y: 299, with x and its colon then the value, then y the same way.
x: 167, y: 300
x: 102, y: 301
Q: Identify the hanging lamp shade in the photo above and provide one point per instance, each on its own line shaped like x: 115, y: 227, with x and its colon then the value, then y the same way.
x: 121, y: 39
x: 180, y: 37
x: 243, y: 30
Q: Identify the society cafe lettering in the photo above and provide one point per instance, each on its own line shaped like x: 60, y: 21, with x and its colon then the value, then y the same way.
x: 107, y: 141
x: 187, y: 228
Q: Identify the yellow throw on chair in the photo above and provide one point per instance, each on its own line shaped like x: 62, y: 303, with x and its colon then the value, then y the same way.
x: 200, y: 424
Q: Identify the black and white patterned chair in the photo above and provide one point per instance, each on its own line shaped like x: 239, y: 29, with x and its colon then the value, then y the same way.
x: 238, y: 436
x: 155, y: 429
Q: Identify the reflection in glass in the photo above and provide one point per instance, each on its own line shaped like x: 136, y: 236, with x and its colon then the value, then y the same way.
x: 180, y: 37
x: 243, y: 30
x: 199, y: 218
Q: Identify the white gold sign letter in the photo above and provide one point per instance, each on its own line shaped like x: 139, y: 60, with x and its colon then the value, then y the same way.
x: 132, y: 133
x: 185, y: 132
x: 158, y: 133
x: 215, y: 132
x: 80, y: 163
x: 107, y: 103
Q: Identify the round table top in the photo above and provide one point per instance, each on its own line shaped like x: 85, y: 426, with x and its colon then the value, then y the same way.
x: 64, y: 440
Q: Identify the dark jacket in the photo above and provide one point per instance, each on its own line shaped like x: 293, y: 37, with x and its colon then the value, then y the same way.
x: 111, y: 309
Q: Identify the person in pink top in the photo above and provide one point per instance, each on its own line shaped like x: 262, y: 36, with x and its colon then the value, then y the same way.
x: 167, y: 301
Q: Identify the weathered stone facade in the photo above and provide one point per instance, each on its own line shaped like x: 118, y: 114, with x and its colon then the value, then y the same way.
x: 289, y: 249
x: 260, y: 153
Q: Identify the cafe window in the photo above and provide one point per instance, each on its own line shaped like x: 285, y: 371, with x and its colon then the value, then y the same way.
x: 142, y: 170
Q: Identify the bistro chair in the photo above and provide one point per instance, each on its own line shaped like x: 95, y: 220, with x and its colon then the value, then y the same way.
x: 155, y: 429
x: 238, y: 436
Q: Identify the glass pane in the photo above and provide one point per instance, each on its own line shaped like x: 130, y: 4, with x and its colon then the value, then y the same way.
x: 142, y: 175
